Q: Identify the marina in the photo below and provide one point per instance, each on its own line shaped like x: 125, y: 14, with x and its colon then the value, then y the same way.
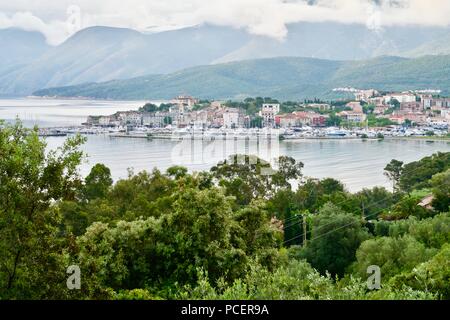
x: 246, y: 134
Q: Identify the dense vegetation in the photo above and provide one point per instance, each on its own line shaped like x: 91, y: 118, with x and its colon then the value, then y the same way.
x: 233, y: 232
x: 282, y: 78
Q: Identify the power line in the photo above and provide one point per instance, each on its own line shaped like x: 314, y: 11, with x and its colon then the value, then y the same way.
x: 370, y: 215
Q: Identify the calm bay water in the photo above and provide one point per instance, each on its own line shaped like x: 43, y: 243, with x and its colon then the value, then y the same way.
x: 54, y: 113
x: 357, y: 163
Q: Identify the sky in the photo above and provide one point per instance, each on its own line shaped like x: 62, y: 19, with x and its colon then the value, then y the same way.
x: 60, y: 19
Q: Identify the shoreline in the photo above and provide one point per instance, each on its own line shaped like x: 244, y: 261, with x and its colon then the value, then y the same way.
x: 426, y: 139
x: 177, y: 138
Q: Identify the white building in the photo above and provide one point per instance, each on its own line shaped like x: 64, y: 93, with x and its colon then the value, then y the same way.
x: 105, y: 121
x: 268, y: 113
x: 445, y: 113
x: 403, y: 97
x: 155, y: 119
x: 130, y: 117
x: 349, y: 116
x: 232, y: 118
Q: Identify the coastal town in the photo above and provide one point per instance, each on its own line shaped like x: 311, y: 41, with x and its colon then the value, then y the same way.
x: 371, y: 114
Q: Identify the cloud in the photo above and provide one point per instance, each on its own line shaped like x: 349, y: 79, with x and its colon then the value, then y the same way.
x: 54, y: 31
x: 262, y: 17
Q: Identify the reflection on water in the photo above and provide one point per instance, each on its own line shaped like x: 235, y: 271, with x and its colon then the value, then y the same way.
x: 356, y: 163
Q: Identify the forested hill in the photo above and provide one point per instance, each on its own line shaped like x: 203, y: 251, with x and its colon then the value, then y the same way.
x: 283, y: 78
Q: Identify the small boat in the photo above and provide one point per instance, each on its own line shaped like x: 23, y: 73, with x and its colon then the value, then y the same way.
x: 334, y: 132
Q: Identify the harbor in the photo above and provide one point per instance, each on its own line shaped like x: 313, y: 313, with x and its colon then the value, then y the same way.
x: 141, y: 132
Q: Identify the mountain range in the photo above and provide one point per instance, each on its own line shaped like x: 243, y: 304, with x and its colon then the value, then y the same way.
x: 288, y: 78
x: 102, y: 54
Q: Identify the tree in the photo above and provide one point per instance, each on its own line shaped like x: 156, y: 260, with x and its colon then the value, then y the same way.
x: 256, y: 122
x: 177, y: 172
x: 330, y: 186
x: 392, y: 255
x: 432, y: 275
x: 368, y: 108
x: 199, y: 231
x: 432, y: 232
x: 334, y: 120
x: 335, y: 237
x: 406, y: 207
x: 97, y: 183
x: 418, y: 174
x: 167, y: 120
x: 395, y: 104
x: 441, y: 191
x: 373, y: 202
x: 149, y: 107
x: 313, y: 194
x: 393, y: 171
x: 32, y: 264
x: 247, y: 177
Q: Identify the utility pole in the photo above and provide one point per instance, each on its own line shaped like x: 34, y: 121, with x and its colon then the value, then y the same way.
x: 304, y: 229
x: 363, y: 214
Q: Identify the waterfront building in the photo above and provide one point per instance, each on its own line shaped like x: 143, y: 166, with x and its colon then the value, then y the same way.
x: 398, y: 119
x: 317, y: 120
x: 156, y: 119
x: 129, y: 118
x: 350, y: 116
x: 268, y: 113
x: 232, y: 118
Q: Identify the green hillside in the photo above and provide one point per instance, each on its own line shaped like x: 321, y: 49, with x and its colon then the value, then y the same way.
x: 283, y: 78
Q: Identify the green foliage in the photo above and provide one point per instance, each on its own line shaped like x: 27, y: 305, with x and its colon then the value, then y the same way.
x: 225, y: 234
x: 408, y: 206
x: 252, y: 106
x: 256, y: 122
x: 313, y: 194
x: 441, y: 191
x: 417, y: 175
x: 432, y: 232
x: 334, y: 239
x: 149, y: 107
x: 431, y: 276
x: 392, y: 255
x: 373, y: 202
x: 135, y: 294
x: 374, y: 121
x: 393, y: 171
x: 395, y: 104
x: 295, y: 280
x: 247, y: 177
x: 97, y: 183
x: 31, y: 180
